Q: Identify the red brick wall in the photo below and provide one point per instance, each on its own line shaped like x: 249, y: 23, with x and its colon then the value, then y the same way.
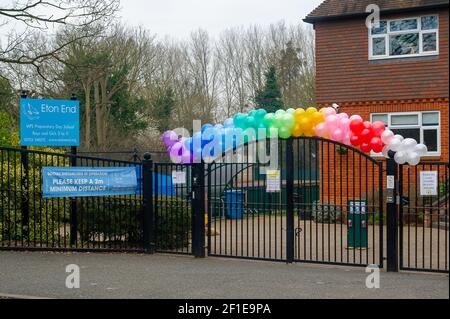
x: 345, y: 74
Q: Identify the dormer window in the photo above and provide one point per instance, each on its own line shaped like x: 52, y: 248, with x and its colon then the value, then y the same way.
x: 401, y: 38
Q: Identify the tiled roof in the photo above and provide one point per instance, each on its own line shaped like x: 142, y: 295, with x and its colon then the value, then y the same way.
x: 330, y: 9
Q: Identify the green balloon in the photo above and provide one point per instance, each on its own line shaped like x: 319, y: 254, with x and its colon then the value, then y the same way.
x: 278, y: 121
x: 280, y: 112
x: 239, y: 120
x: 284, y: 133
x: 250, y: 122
x: 290, y: 111
x: 260, y: 114
x: 268, y: 120
x: 288, y: 121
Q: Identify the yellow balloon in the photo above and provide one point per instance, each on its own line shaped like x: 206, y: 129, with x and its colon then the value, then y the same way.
x: 318, y: 118
x: 322, y: 110
x: 311, y: 110
x: 298, y: 114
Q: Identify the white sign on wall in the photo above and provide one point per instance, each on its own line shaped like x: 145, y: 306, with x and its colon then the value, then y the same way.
x: 178, y: 177
x: 429, y: 183
x: 273, y: 181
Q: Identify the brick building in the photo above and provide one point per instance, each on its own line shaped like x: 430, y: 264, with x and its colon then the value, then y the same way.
x: 397, y: 73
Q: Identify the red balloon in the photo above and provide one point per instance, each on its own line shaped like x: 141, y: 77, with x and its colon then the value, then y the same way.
x: 378, y: 128
x: 355, y: 140
x: 366, y: 135
x: 365, y: 147
x: 367, y: 125
x: 356, y: 126
x: 376, y: 144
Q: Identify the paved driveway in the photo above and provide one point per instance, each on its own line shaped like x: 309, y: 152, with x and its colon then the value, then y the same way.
x: 163, y: 276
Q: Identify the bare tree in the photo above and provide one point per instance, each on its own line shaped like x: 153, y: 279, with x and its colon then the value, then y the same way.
x: 29, y: 19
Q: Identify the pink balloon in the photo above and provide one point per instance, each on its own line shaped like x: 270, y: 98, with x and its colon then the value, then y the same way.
x: 343, y: 116
x: 346, y: 140
x: 321, y: 130
x: 337, y: 135
x: 356, y: 117
x: 332, y: 123
x: 329, y: 111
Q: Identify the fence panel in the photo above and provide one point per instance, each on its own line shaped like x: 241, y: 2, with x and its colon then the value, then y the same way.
x: 29, y: 221
x: 424, y: 231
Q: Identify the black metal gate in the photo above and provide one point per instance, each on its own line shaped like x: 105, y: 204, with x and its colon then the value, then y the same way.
x: 323, y: 186
x: 423, y: 226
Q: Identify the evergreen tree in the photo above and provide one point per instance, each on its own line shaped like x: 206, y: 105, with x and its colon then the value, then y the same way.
x: 270, y: 97
x: 163, y: 106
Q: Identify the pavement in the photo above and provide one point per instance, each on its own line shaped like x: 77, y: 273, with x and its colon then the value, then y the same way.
x: 134, y: 276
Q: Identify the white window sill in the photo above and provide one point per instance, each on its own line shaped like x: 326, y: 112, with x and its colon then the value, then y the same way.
x: 374, y: 58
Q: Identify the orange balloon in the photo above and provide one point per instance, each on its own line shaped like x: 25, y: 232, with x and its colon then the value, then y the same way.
x: 306, y: 124
x: 297, y: 131
x: 311, y: 110
x: 310, y: 133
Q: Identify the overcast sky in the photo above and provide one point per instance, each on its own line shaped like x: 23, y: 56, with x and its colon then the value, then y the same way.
x: 177, y: 18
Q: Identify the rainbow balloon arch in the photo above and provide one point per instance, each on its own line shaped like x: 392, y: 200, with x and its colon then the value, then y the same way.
x: 214, y: 140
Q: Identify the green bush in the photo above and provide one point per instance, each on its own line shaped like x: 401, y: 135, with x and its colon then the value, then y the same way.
x: 173, y: 223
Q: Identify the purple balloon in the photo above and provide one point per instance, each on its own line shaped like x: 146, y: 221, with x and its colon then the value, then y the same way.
x: 170, y: 138
x: 176, y: 151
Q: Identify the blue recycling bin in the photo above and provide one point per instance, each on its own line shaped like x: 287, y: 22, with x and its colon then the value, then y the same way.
x: 234, y: 200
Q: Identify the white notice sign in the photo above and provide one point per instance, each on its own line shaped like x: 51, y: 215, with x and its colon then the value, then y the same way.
x: 429, y: 183
x: 390, y: 182
x: 273, y: 181
x: 178, y: 178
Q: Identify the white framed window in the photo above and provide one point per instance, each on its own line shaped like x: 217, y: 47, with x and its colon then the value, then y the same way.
x: 424, y: 127
x: 407, y: 37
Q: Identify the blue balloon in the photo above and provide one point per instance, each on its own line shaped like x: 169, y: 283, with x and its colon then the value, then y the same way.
x: 229, y: 123
x: 205, y: 127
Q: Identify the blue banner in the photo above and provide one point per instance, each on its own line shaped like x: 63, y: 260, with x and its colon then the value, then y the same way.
x: 49, y: 122
x: 89, y: 182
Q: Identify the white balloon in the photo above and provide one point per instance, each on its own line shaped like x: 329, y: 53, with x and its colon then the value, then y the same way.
x: 408, y: 144
x: 398, y: 136
x: 387, y: 137
x: 401, y: 158
x: 395, y: 144
x: 413, y: 158
x: 421, y: 149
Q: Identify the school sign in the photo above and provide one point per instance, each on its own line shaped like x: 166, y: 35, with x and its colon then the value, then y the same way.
x: 49, y: 122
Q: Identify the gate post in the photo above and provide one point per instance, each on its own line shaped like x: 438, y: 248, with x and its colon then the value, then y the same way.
x: 290, y: 237
x: 198, y: 210
x: 392, y: 220
x: 73, y: 200
x: 148, y: 214
x: 24, y: 198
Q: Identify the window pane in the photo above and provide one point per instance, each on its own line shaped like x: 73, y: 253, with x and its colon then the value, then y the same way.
x: 382, y: 29
x: 410, y: 119
x: 429, y: 23
x: 404, y: 44
x: 429, y: 42
x: 381, y: 117
x: 401, y: 25
x: 430, y: 139
x: 408, y: 133
x: 430, y: 119
x: 379, y: 46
